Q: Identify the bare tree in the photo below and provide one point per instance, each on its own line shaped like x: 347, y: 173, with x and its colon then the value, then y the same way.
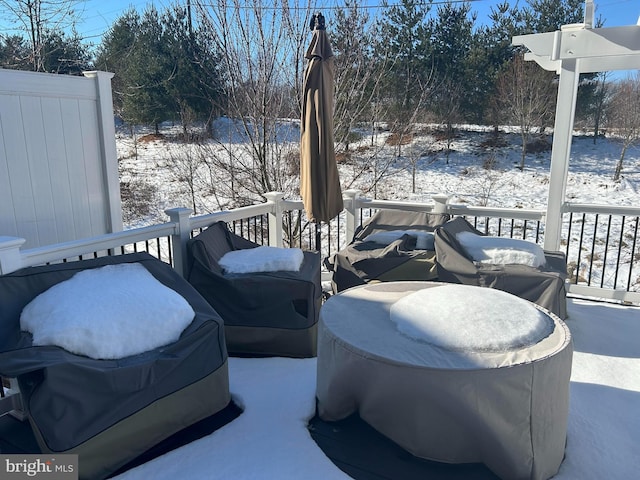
x: 448, y: 105
x: 526, y: 96
x: 262, y: 45
x: 601, y: 98
x: 420, y: 149
x: 36, y: 18
x: 625, y: 117
x: 360, y: 68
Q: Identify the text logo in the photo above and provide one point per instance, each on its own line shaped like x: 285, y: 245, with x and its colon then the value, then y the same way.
x: 41, y: 466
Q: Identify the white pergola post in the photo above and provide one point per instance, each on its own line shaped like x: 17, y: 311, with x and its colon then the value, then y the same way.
x: 561, y: 153
x: 570, y: 51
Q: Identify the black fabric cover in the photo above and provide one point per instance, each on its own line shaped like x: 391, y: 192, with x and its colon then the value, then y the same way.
x: 544, y: 286
x: 362, y: 262
x: 71, y: 398
x: 265, y: 305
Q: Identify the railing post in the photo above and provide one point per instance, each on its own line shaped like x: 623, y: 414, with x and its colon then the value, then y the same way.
x: 440, y: 200
x: 180, y: 217
x: 275, y: 218
x: 351, y: 207
x: 10, y: 257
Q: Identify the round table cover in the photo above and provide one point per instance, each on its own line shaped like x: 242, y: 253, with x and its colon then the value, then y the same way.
x: 506, y: 409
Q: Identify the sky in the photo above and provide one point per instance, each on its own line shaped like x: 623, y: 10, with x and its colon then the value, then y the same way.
x: 96, y: 16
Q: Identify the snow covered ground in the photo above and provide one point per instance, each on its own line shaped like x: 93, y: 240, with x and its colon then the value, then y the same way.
x: 479, y: 170
x: 473, y: 173
x: 269, y: 440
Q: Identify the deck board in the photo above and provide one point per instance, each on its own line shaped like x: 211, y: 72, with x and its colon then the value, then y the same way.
x: 351, y: 444
x: 365, y: 454
x: 17, y: 437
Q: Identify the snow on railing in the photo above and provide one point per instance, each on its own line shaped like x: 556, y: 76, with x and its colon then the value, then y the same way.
x: 601, y: 242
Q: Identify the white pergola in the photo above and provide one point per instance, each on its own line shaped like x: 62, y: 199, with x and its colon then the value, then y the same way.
x: 570, y: 51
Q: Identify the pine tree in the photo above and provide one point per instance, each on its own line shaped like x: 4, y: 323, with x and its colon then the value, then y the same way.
x: 491, y: 51
x: 115, y: 54
x: 14, y: 52
x: 358, y: 72
x: 406, y: 38
x: 194, y: 85
x: 146, y: 101
x: 452, y: 43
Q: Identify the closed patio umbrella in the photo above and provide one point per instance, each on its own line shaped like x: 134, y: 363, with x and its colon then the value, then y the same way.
x: 319, y: 181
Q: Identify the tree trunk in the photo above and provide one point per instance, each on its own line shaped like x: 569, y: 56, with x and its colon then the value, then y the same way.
x: 524, y: 151
x: 618, y: 172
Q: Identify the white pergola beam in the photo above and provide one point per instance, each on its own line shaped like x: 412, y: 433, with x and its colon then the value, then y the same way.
x: 589, y: 65
x: 578, y: 42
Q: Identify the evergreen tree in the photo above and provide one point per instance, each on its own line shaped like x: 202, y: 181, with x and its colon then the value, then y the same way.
x: 549, y: 15
x: 358, y: 72
x: 194, y: 85
x: 64, y: 54
x: 115, y: 54
x: 148, y: 73
x: 14, y: 52
x: 164, y: 68
x: 452, y: 43
x: 37, y: 19
x: 491, y: 51
x: 406, y: 40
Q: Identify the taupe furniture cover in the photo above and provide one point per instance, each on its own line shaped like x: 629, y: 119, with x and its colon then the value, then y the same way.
x: 110, y: 411
x: 544, y: 286
x: 508, y: 409
x: 363, y: 261
x: 264, y: 313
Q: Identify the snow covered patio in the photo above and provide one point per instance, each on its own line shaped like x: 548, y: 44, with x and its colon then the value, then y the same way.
x: 275, y: 435
x: 270, y: 439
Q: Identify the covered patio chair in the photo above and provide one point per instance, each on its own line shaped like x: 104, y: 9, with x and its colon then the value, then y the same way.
x: 264, y: 312
x: 543, y: 284
x: 392, y: 245
x: 109, y: 411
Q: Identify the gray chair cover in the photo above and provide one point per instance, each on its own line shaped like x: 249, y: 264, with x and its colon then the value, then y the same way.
x: 362, y: 262
x: 110, y: 411
x: 265, y: 313
x: 544, y: 286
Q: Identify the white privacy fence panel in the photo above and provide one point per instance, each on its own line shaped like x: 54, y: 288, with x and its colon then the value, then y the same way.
x: 58, y: 165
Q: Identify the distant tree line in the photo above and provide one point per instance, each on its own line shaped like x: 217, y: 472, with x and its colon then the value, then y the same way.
x: 407, y: 63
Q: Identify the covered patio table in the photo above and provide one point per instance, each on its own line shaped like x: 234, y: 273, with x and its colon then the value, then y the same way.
x: 451, y: 373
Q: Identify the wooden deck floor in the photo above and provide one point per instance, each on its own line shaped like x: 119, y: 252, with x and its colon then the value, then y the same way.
x: 355, y: 448
x: 364, y: 454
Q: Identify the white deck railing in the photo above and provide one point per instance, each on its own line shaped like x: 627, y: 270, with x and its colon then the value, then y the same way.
x: 601, y: 265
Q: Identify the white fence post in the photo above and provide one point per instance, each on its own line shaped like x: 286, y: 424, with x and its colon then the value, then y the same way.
x: 180, y: 217
x: 10, y: 257
x: 107, y: 135
x: 440, y: 200
x: 275, y: 218
x: 351, y: 197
